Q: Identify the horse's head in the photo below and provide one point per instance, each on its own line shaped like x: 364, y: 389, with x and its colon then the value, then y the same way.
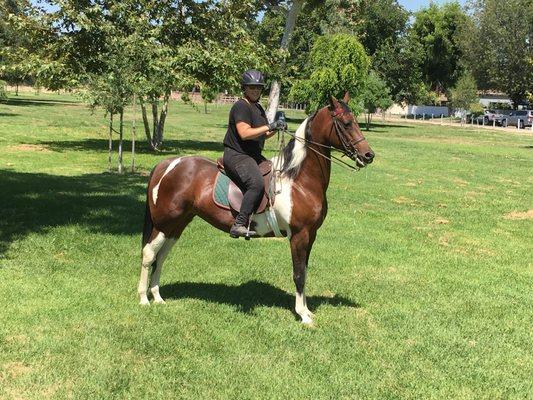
x: 344, y: 132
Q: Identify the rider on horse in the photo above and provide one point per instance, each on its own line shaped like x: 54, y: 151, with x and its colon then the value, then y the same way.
x: 248, y: 128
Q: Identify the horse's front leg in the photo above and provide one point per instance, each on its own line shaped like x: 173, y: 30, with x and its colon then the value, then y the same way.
x: 301, y: 244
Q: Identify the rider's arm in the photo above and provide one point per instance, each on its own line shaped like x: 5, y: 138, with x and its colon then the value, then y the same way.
x: 246, y: 132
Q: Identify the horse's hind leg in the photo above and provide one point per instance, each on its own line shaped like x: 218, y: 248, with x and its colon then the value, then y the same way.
x: 149, y: 257
x: 162, y: 255
x: 156, y: 272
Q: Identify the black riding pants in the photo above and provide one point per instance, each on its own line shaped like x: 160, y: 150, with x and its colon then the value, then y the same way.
x: 244, y: 171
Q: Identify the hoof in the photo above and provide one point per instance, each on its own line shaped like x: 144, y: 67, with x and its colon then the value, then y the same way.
x: 159, y: 301
x: 144, y: 301
x: 307, y: 320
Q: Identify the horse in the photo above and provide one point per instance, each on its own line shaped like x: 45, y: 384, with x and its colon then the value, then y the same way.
x: 181, y: 188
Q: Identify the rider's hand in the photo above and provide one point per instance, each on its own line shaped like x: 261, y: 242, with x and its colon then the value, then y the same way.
x: 276, y: 125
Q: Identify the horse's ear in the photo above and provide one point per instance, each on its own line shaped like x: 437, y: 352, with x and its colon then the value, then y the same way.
x: 346, y: 98
x: 333, y: 102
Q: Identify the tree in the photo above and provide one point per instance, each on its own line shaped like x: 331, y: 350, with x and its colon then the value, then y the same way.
x: 337, y: 63
x: 375, y: 96
x: 436, y: 29
x: 22, y: 36
x: 464, y: 94
x: 208, y: 94
x: 170, y: 46
x: 498, y: 46
x: 398, y: 63
x: 372, y: 21
x: 378, y: 22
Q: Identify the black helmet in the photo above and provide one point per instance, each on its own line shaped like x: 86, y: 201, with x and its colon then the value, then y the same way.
x: 252, y: 77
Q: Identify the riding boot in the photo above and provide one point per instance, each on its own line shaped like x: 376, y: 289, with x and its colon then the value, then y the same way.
x: 240, y: 227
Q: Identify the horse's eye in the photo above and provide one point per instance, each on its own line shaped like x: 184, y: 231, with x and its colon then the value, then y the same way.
x: 348, y: 124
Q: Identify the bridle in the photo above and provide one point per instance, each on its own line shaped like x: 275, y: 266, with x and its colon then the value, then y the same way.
x: 349, y: 149
x: 349, y: 144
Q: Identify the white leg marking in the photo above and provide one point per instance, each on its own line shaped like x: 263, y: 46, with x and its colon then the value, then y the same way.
x: 170, y: 167
x: 302, y: 310
x: 160, y: 259
x: 149, y: 255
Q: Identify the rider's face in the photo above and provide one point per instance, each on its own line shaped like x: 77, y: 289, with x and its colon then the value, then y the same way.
x: 253, y: 92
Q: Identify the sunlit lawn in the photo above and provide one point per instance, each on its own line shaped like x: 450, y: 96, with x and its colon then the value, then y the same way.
x: 421, y: 277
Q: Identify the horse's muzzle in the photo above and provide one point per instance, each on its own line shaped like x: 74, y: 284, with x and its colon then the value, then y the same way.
x: 363, y: 159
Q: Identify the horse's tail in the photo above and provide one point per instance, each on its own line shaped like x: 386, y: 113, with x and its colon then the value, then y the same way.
x: 148, y: 223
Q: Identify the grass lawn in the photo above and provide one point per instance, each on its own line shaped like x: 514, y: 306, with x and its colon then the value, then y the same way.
x: 421, y: 277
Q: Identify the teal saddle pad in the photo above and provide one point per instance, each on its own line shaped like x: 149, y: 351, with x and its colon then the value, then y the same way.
x: 220, y: 194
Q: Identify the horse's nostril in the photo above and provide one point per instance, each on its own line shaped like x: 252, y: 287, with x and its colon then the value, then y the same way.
x: 369, y: 155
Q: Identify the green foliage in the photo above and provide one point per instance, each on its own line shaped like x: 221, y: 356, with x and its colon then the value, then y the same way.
x: 497, y: 46
x: 373, y: 22
x: 500, y: 106
x: 464, y: 94
x: 209, y: 94
x: 337, y: 63
x: 399, y: 64
x: 476, y: 109
x: 376, y: 94
x: 436, y: 29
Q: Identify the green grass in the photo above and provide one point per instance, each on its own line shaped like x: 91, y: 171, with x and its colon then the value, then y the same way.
x: 420, y: 282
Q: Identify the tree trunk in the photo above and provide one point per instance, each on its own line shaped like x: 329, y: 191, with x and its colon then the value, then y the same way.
x: 133, y: 128
x: 121, y: 130
x: 162, y: 119
x: 205, y: 108
x: 155, y: 137
x: 16, y: 89
x: 273, y: 99
x: 146, y: 125
x: 110, y: 139
x: 368, y: 120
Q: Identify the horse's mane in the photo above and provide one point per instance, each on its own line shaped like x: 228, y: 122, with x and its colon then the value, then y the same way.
x: 294, y: 152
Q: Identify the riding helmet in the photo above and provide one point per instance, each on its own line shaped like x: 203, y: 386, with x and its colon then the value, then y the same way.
x: 253, y: 77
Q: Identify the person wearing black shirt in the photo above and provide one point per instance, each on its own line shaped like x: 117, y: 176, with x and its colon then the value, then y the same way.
x: 248, y: 128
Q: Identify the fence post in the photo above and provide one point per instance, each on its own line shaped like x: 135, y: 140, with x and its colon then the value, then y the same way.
x: 441, y: 119
x: 423, y: 116
x: 494, y: 122
x: 518, y: 123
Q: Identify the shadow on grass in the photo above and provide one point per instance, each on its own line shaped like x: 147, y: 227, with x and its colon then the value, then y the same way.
x: 36, y: 202
x: 37, y: 102
x: 8, y: 114
x: 247, y: 296
x: 373, y: 125
x: 170, y: 147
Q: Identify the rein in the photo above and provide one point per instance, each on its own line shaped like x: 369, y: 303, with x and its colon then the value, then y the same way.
x: 332, y: 158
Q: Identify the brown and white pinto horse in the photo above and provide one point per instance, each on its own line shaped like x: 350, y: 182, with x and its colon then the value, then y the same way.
x: 182, y: 188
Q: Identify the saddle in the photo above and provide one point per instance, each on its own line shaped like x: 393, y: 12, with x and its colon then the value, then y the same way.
x: 227, y: 194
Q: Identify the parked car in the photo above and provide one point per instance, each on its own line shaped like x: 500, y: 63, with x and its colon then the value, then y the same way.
x: 519, y: 118
x: 490, y: 116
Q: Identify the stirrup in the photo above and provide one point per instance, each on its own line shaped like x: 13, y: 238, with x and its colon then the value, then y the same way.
x: 237, y: 231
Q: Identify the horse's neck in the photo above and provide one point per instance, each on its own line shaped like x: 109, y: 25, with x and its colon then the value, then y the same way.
x: 315, y: 171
